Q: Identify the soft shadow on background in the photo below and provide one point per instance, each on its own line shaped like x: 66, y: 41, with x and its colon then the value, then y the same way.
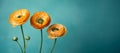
x: 93, y: 26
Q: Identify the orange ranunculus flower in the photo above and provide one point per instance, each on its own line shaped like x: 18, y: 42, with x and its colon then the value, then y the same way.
x: 56, y: 30
x: 39, y: 20
x: 19, y: 17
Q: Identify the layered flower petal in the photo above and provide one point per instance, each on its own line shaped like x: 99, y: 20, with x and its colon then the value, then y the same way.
x: 39, y: 20
x: 19, y: 17
x: 56, y: 30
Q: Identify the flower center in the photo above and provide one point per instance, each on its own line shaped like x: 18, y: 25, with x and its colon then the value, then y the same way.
x: 40, y: 20
x: 19, y: 16
x: 55, y: 29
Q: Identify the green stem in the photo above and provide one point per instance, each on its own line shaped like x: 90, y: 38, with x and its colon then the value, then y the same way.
x: 41, y: 41
x: 53, y: 45
x: 26, y: 45
x: 20, y: 46
x: 23, y: 38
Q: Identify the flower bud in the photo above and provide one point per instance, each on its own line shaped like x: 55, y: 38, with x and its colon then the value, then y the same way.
x: 27, y: 37
x: 15, y: 38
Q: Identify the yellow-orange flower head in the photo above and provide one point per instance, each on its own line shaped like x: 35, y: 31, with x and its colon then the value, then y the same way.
x: 19, y: 17
x: 56, y: 30
x: 39, y: 20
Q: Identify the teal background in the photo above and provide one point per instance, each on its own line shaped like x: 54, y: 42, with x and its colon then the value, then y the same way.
x: 93, y: 26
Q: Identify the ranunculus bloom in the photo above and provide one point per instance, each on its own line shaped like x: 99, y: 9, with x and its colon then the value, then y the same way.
x: 56, y: 30
x: 19, y: 17
x: 39, y: 20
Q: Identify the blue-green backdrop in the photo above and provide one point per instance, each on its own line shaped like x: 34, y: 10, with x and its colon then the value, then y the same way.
x: 93, y: 26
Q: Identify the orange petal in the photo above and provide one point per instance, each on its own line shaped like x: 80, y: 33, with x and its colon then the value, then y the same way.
x: 19, y: 17
x: 56, y: 30
x: 39, y: 20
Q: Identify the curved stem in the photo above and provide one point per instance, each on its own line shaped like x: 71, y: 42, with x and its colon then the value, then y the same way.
x: 41, y: 41
x: 26, y: 45
x: 53, y: 45
x: 20, y: 46
x: 23, y: 38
